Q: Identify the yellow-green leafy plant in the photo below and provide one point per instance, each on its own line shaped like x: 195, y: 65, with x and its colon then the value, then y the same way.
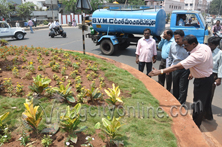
x: 65, y: 91
x: 46, y: 141
x: 70, y: 121
x: 75, y: 66
x: 78, y: 87
x: 66, y: 55
x: 28, y: 75
x: 31, y: 68
x: 63, y: 71
x: 52, y: 63
x: 7, y: 82
x: 40, y: 68
x: 59, y: 59
x: 47, y: 53
x: 49, y: 91
x: 89, y: 77
x: 55, y: 57
x: 39, y: 84
x: 11, y: 90
x: 78, y: 79
x: 2, y: 118
x: 56, y: 67
x: 73, y: 74
x: 93, y: 93
x: 24, y: 59
x: 19, y: 89
x: 15, y: 72
x: 55, y: 77
x: 67, y: 62
x: 32, y: 116
x: 70, y: 82
x: 3, y: 42
x: 113, y: 95
x: 63, y: 79
x: 110, y: 127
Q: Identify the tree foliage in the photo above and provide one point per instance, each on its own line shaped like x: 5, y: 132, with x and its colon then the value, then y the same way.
x: 95, y: 4
x: 5, y: 8
x: 215, y: 7
x: 70, y: 5
x: 25, y: 10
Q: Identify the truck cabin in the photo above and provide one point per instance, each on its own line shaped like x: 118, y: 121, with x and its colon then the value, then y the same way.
x: 191, y: 22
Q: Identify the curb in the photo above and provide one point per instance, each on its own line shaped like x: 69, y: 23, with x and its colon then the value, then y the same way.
x: 42, y: 27
x: 183, y: 127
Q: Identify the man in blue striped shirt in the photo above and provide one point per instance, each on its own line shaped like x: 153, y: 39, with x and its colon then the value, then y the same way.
x: 180, y: 77
x: 164, y: 45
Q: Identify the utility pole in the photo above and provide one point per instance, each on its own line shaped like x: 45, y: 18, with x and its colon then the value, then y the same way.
x: 52, y: 12
x: 219, y: 9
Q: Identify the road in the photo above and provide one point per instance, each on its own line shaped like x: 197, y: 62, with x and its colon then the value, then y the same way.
x: 73, y: 41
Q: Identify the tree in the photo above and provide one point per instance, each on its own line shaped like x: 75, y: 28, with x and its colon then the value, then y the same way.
x: 95, y: 4
x: 5, y: 8
x: 25, y: 10
x: 70, y: 5
x: 215, y: 7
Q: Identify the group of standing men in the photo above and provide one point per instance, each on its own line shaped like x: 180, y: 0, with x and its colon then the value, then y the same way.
x: 183, y: 58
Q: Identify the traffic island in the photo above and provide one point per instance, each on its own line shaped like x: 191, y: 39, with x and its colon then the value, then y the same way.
x: 107, y: 93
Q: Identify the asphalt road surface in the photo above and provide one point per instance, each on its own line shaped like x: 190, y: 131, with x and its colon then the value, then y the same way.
x: 73, y: 41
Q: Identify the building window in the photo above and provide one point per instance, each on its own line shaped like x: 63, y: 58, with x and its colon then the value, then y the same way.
x: 186, y: 4
x: 169, y: 6
x: 191, y: 4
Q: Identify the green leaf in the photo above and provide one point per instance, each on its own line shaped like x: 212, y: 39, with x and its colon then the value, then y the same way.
x: 73, y: 138
x: 81, y: 129
x: 70, y: 99
x: 97, y: 125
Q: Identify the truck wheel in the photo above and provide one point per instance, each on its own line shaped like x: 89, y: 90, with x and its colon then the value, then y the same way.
x: 19, y: 36
x: 107, y: 47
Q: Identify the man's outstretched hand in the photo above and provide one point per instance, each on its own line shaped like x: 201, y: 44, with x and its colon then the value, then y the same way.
x: 154, y: 72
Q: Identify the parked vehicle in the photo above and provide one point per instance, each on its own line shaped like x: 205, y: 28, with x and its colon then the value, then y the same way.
x: 114, y: 29
x: 208, y: 20
x: 57, y: 31
x: 7, y: 31
x: 88, y: 20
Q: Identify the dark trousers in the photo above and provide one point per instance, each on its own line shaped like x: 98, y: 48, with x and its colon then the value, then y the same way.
x: 162, y: 77
x: 148, y: 67
x: 208, y: 113
x: 202, y: 96
x: 180, y: 84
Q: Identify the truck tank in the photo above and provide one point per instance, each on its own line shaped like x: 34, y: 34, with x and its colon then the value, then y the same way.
x: 129, y: 21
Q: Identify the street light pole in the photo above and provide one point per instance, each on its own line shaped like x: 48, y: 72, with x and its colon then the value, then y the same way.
x: 219, y: 9
x: 52, y: 12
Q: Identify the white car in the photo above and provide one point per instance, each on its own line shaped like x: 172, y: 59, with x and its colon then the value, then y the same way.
x: 7, y: 31
x: 208, y: 20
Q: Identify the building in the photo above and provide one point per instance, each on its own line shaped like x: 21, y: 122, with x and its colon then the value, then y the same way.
x: 200, y: 5
x: 167, y: 5
x: 45, y: 10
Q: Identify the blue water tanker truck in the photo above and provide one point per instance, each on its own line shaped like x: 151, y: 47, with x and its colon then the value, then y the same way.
x: 115, y: 28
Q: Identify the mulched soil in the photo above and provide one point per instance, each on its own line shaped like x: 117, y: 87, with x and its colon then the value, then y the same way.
x: 5, y: 64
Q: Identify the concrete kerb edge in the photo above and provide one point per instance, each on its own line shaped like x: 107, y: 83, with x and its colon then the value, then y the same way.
x: 42, y: 27
x: 183, y: 127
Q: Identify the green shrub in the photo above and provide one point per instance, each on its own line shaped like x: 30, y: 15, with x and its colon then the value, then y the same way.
x: 45, y: 22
